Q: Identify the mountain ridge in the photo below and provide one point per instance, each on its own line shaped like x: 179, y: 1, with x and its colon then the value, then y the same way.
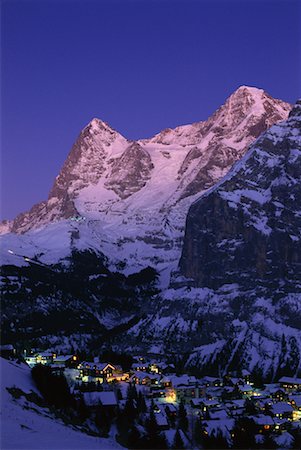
x: 133, y: 196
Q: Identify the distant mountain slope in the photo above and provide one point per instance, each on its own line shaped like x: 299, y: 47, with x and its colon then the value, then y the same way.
x: 130, y: 199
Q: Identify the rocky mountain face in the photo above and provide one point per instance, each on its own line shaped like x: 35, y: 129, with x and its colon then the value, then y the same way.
x: 131, y: 198
x: 240, y: 270
x: 247, y: 229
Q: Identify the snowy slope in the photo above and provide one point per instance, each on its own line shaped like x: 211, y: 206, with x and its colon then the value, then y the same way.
x: 134, y: 196
x: 27, y: 426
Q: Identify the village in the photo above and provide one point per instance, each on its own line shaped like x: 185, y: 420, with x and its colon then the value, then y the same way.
x: 215, y: 403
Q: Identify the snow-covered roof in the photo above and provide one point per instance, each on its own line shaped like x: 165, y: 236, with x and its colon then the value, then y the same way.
x: 246, y: 388
x: 183, y: 380
x: 106, y: 398
x: 45, y: 354
x: 262, y: 419
x: 290, y: 380
x: 211, y: 379
x: 143, y: 375
x: 281, y: 407
x: 63, y: 358
x: 6, y: 347
x: 240, y: 403
x: 97, y: 366
x: 222, y: 414
x: 210, y: 402
x: 223, y: 425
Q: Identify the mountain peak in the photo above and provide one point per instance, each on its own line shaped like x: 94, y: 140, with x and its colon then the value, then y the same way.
x: 250, y: 89
x: 97, y: 125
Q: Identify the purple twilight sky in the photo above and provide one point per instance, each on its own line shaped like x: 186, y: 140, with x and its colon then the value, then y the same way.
x: 139, y: 65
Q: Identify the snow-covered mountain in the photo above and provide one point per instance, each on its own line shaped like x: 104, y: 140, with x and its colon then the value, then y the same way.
x: 240, y: 270
x: 130, y: 199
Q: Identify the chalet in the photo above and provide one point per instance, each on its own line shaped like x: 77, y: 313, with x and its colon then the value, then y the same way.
x: 31, y: 360
x: 263, y: 423
x: 65, y: 361
x: 171, y: 410
x: 167, y: 368
x: 208, y: 405
x: 232, y: 381
x: 236, y: 404
x: 282, y: 410
x: 142, y: 378
x: 186, y: 393
x: 157, y: 391
x: 295, y: 401
x: 166, y: 382
x: 246, y: 375
x: 106, y: 399
x: 95, y: 372
x: 278, y: 394
x: 290, y: 384
x: 140, y: 367
x: 247, y: 390
x: 196, y: 403
x: 57, y: 369
x: 213, y: 392
x: 184, y: 387
x: 212, y: 381
x: 45, y: 358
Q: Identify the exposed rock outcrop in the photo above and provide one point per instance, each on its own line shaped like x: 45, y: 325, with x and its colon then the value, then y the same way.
x: 247, y: 229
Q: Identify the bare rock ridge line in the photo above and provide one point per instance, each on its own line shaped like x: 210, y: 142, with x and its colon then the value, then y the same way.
x: 132, y: 197
x: 208, y: 150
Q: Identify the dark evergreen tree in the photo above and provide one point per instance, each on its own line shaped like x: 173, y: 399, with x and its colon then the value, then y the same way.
x: 133, y: 440
x: 182, y: 417
x: 269, y: 442
x: 103, y: 421
x: 250, y: 408
x: 296, y: 433
x: 131, y: 393
x: 118, y: 394
x: 178, y: 441
x: 54, y: 388
x: 244, y: 433
x: 82, y: 410
x: 257, y: 377
x: 154, y: 439
x: 215, y: 441
x: 121, y: 422
x: 141, y: 405
x: 198, y: 431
